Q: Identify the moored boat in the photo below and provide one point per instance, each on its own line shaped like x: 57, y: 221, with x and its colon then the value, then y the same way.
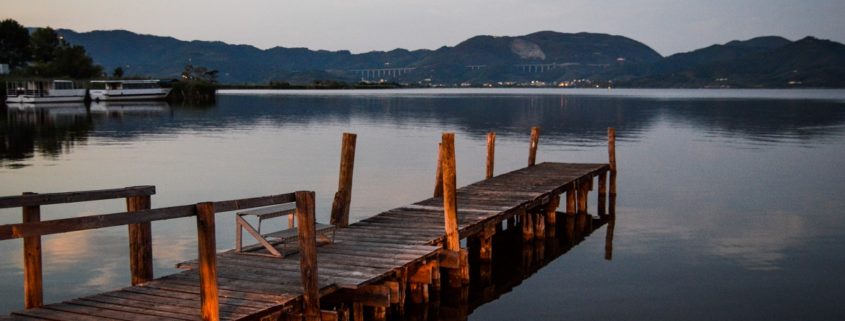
x: 43, y: 91
x: 148, y: 89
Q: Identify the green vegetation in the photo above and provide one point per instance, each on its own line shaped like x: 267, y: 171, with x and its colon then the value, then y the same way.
x: 44, y: 53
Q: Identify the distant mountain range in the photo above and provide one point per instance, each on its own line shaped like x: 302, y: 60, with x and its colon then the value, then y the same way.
x: 546, y: 56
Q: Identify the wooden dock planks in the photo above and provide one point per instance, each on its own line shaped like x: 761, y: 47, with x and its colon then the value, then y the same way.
x: 364, y: 253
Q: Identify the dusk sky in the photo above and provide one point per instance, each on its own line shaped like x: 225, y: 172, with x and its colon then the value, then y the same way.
x: 668, y: 26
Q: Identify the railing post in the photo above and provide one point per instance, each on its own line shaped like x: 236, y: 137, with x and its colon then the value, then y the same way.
x: 140, y: 242
x: 532, y: 149
x: 491, y: 153
x: 308, y: 255
x: 33, y: 288
x: 340, y: 208
x: 207, y: 261
x: 438, y: 174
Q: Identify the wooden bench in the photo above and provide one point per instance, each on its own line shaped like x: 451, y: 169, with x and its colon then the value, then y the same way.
x: 268, y: 241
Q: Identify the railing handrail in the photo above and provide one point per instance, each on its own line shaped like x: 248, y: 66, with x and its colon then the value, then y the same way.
x: 74, y: 197
x: 20, y: 230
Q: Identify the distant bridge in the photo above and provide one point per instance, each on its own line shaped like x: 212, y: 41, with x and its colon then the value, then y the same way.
x: 537, y: 68
x: 381, y: 73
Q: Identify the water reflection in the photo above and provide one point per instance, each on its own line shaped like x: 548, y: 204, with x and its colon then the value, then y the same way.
x: 514, y: 261
x: 569, y: 119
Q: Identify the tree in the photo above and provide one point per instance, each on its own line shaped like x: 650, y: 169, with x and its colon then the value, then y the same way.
x: 44, y: 42
x: 14, y: 43
x: 117, y: 73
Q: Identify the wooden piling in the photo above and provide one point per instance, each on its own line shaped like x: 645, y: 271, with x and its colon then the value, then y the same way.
x: 532, y: 149
x: 611, y: 153
x: 140, y: 242
x: 539, y: 224
x: 33, y: 290
x: 583, y: 192
x: 527, y: 225
x: 207, y: 261
x: 491, y: 153
x: 438, y: 175
x: 551, y: 211
x: 450, y: 205
x: 308, y: 255
x: 602, y: 199
x: 570, y: 199
x: 340, y: 212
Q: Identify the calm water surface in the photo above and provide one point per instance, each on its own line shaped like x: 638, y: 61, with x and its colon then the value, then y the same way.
x: 730, y: 202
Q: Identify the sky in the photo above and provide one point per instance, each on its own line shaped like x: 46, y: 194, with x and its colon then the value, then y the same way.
x: 668, y: 26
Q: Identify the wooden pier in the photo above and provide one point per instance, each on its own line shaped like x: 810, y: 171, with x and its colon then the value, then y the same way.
x: 371, y: 269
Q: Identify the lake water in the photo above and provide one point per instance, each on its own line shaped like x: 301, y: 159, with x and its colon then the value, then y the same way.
x: 730, y: 201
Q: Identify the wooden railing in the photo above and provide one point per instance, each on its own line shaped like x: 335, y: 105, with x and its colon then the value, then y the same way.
x: 138, y: 214
x: 137, y: 198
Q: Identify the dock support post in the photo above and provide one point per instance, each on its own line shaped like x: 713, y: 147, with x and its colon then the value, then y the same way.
x: 450, y: 206
x: 308, y: 255
x: 33, y: 291
x: 539, y: 224
x: 551, y: 215
x: 438, y: 174
x: 570, y: 199
x: 527, y: 224
x: 602, y: 200
x: 207, y: 261
x: 583, y: 192
x: 491, y: 153
x: 532, y: 149
x: 343, y: 198
x: 140, y: 242
x: 611, y: 153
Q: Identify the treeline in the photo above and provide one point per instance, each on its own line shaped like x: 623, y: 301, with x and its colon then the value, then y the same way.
x: 43, y: 53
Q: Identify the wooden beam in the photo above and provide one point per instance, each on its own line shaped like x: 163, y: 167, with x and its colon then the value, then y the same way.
x: 491, y: 153
x: 532, y: 149
x: 33, y: 291
x: 207, y: 245
x: 308, y: 255
x: 340, y: 209
x: 140, y: 242
x: 438, y: 174
x: 73, y: 197
x: 570, y: 199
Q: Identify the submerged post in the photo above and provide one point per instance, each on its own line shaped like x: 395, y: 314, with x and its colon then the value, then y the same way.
x: 532, y: 150
x: 491, y: 153
x: 140, y: 242
x: 611, y: 153
x: 33, y: 291
x: 308, y: 255
x: 438, y: 174
x: 343, y: 197
x: 207, y: 246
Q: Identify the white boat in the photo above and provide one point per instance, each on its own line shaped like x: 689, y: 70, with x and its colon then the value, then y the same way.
x: 43, y: 91
x: 106, y: 90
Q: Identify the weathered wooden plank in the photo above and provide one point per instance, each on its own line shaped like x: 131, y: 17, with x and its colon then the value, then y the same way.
x: 132, y: 306
x: 54, y: 315
x: 73, y: 197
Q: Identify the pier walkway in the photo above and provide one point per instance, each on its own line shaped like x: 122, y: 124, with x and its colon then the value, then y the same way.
x: 380, y: 263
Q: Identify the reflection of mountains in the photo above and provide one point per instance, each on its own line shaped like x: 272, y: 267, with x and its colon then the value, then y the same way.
x: 580, y: 120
